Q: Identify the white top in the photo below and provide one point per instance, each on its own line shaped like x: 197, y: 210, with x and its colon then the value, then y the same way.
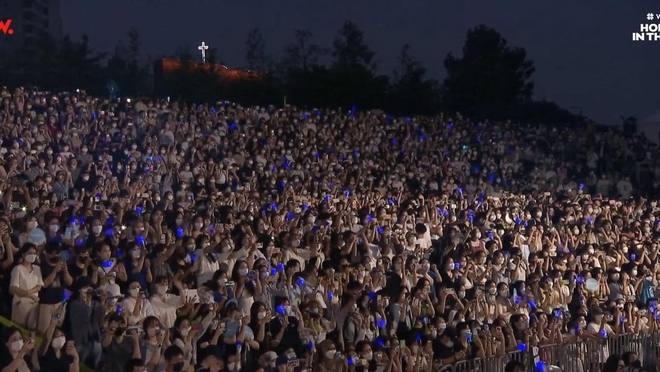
x: 145, y: 310
x: 203, y: 267
x: 165, y: 307
x: 25, y: 279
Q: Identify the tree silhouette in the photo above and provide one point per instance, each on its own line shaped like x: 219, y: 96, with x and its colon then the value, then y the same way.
x: 302, y: 54
x: 350, y: 51
x: 411, y: 91
x: 125, y: 67
x: 490, y: 78
x: 256, y: 50
x: 299, y: 71
x: 352, y: 73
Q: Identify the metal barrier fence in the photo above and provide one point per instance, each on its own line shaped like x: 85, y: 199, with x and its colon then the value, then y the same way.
x: 583, y: 356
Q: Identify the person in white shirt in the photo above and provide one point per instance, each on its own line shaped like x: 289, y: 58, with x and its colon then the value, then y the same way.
x: 136, y: 305
x: 206, y: 261
x: 166, y: 304
x: 26, y: 282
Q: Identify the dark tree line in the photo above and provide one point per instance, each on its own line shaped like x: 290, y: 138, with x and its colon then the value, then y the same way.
x: 489, y: 80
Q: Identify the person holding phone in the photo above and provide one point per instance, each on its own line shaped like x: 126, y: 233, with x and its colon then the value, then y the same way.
x: 136, y: 304
x: 85, y: 320
x: 118, y: 346
x: 56, y: 354
x: 15, y: 353
x: 55, y: 277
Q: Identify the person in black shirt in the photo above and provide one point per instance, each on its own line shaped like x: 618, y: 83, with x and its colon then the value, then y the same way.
x: 55, y: 353
x: 284, y: 327
x: 81, y: 265
x: 56, y: 277
x: 445, y: 350
x: 213, y: 361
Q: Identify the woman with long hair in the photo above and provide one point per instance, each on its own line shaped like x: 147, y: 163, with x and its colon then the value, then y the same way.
x: 15, y: 351
x: 55, y: 353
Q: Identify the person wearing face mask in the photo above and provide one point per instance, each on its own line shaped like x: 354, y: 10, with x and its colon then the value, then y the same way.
x: 285, y: 327
x: 138, y: 266
x: 55, y: 354
x: 166, y: 304
x: 136, y: 304
x: 598, y: 327
x: 366, y: 357
x: 246, y: 287
x: 207, y: 260
x: 327, y: 360
x: 25, y: 284
x: 185, y: 337
x: 56, y: 277
x: 256, y: 331
x: 16, y: 351
x: 174, y: 359
x: 82, y: 265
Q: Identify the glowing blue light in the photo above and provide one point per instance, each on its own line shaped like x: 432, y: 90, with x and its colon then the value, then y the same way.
x: 179, y: 232
x: 280, y: 267
x: 273, y: 271
x: 138, y: 210
x: 379, y: 230
x: 381, y: 323
x: 290, y: 216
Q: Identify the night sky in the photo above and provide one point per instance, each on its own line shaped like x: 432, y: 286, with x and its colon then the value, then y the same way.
x: 582, y: 50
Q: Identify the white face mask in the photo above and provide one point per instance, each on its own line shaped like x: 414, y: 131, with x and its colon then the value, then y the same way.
x: 330, y: 354
x: 243, y: 271
x: 16, y: 346
x: 58, y: 342
x: 97, y: 229
x: 368, y: 356
x: 261, y: 315
x: 135, y: 253
x: 198, y: 225
x: 161, y: 289
x: 30, y: 258
x: 54, y: 228
x: 133, y: 292
x: 185, y: 332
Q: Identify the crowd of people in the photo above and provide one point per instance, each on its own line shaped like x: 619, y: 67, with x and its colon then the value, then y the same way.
x: 148, y: 235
